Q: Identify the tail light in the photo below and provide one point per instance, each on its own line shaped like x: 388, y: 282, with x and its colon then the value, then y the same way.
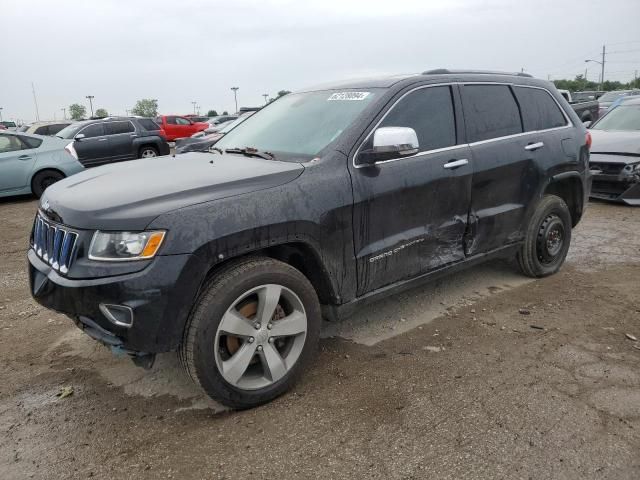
x: 162, y: 133
x: 588, y: 140
x: 71, y: 151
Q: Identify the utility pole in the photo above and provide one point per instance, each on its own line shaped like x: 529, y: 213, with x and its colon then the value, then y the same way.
x: 235, y: 96
x: 194, y: 103
x: 91, y: 97
x: 35, y: 101
x: 266, y: 96
x: 64, y: 113
x: 0, y: 114
x: 602, y: 76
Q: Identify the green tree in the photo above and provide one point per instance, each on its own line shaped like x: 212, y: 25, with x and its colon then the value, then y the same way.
x: 212, y: 113
x: 225, y: 113
x: 282, y: 93
x: 77, y: 111
x: 101, y: 112
x: 146, y: 107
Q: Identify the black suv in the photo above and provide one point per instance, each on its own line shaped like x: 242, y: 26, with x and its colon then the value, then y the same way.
x: 322, y: 201
x: 113, y: 139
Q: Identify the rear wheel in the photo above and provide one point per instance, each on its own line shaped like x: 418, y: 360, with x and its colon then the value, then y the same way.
x: 252, y: 333
x: 147, y: 152
x: 547, y: 238
x: 44, y: 179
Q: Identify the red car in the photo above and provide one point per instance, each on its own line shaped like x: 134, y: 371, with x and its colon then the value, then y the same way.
x: 176, y: 126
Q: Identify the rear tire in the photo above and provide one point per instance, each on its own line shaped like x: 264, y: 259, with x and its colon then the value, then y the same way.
x: 147, y: 152
x: 274, y: 314
x: 547, y: 238
x: 44, y: 179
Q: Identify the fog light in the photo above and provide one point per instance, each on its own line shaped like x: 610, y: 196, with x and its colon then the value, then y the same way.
x: 120, y: 315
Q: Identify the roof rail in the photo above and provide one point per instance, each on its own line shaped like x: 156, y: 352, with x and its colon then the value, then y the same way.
x: 445, y: 71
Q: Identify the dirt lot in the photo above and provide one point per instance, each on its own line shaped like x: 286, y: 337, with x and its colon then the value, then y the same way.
x: 447, y: 381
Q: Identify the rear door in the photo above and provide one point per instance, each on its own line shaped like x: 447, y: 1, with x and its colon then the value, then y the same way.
x: 93, y: 149
x: 17, y: 159
x: 121, y: 134
x: 507, y: 163
x: 410, y: 214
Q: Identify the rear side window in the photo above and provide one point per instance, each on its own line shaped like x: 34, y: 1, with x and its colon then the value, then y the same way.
x: 115, y: 128
x: 539, y: 110
x: 10, y: 143
x: 53, y: 129
x: 429, y: 111
x: 182, y: 121
x: 94, y: 130
x: 44, y: 130
x: 30, y: 142
x: 148, y: 124
x: 490, y: 111
x: 170, y: 120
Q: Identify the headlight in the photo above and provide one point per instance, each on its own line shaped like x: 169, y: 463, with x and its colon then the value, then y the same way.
x: 117, y: 246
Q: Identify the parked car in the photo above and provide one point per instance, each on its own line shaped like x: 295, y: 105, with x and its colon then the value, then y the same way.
x: 587, y: 110
x: 114, y: 139
x: 203, y: 143
x: 12, y: 126
x: 587, y: 95
x: 44, y: 128
x: 2, y: 127
x: 31, y: 163
x: 179, y: 127
x: 608, y: 98
x: 197, y: 118
x: 343, y: 195
x: 221, y: 119
x: 615, y: 155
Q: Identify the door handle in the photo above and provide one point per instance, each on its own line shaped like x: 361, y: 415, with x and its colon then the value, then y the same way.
x: 102, y: 139
x: 456, y: 163
x: 534, y: 146
x: 24, y: 157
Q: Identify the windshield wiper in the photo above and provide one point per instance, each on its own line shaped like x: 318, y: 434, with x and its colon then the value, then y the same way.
x: 219, y: 150
x: 251, y: 152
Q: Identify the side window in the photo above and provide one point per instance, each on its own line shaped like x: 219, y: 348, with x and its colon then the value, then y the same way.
x: 490, y: 111
x: 429, y: 111
x: 53, y: 129
x: 182, y: 121
x: 44, y: 130
x: 115, y: 128
x: 9, y: 143
x: 171, y: 120
x: 539, y: 110
x: 95, y: 130
x: 30, y: 142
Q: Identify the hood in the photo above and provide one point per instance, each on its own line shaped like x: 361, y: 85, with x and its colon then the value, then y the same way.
x: 129, y: 195
x: 616, y: 143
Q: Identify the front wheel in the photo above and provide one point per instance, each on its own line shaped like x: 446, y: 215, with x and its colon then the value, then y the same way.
x: 547, y: 239
x: 253, y: 331
x: 44, y: 179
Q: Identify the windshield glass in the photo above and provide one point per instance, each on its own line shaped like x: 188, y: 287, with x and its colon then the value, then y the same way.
x: 299, y: 123
x: 70, y: 130
x: 611, y: 96
x: 623, y: 117
x: 23, y: 128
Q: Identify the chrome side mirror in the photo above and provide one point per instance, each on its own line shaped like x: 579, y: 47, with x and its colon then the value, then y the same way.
x: 390, y: 143
x: 80, y: 136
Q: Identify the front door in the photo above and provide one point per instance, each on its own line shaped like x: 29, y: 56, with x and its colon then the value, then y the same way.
x: 16, y: 162
x: 93, y: 148
x: 410, y: 214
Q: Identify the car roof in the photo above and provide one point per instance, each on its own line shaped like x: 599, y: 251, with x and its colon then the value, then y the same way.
x: 630, y: 100
x: 50, y: 122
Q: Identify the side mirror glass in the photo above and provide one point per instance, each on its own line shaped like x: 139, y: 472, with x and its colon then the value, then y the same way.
x: 80, y: 136
x: 390, y: 143
x: 587, y: 124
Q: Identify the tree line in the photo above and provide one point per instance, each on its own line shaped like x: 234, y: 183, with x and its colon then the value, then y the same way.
x: 145, y: 107
x: 580, y: 84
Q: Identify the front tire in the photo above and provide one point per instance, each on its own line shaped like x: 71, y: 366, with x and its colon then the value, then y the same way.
x: 44, y: 179
x: 253, y: 331
x: 547, y: 239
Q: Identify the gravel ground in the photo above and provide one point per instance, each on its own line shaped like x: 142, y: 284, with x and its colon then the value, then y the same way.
x: 450, y: 380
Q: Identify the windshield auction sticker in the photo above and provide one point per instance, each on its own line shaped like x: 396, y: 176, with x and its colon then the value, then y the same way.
x: 348, y: 96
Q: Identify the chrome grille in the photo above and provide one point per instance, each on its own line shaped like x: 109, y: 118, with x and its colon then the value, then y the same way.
x: 54, y: 244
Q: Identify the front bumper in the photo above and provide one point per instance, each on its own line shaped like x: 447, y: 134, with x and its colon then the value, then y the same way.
x: 160, y: 299
x: 618, y: 188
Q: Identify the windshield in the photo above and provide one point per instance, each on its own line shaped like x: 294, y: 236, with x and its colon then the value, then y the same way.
x: 623, y: 117
x: 611, y: 96
x: 299, y: 123
x: 70, y: 130
x: 23, y: 128
x: 235, y: 123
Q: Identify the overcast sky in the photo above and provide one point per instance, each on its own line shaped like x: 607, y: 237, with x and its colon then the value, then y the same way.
x: 180, y: 51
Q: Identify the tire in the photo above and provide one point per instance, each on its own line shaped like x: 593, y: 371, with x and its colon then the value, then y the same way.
x: 44, y: 179
x: 547, y: 239
x: 147, y: 152
x: 210, y: 355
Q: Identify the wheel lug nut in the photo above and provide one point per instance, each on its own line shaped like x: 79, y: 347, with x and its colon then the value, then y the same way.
x: 271, y: 340
x: 259, y: 348
x: 251, y: 339
x: 269, y: 326
x: 257, y: 326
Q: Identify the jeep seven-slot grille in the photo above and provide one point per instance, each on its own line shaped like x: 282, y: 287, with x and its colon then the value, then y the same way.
x: 54, y: 244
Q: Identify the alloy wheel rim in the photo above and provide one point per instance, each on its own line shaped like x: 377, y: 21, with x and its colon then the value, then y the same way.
x: 148, y: 153
x: 260, y: 337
